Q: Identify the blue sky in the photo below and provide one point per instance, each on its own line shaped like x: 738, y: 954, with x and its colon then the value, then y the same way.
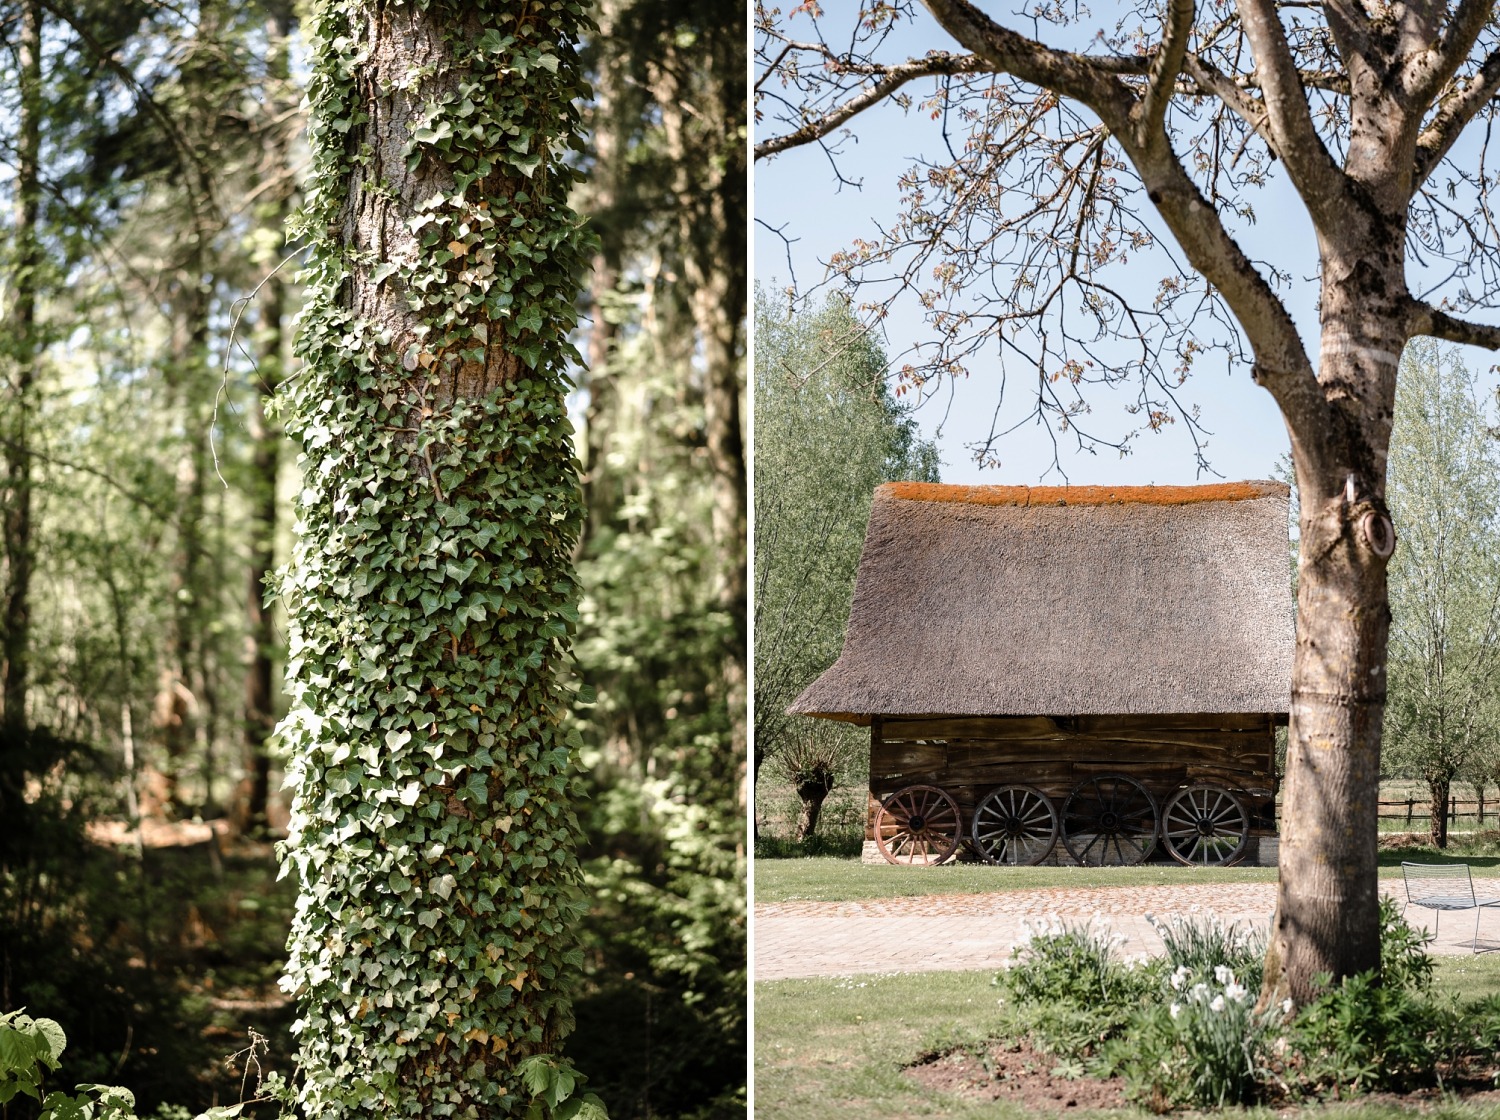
x: 798, y: 192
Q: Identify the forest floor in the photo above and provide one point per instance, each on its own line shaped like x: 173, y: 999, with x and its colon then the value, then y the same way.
x: 208, y: 923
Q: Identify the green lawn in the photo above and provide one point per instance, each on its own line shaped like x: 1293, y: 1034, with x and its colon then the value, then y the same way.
x: 830, y: 879
x: 834, y: 1048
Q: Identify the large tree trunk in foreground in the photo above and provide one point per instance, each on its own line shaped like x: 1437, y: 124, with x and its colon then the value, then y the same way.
x: 432, y: 594
x: 1328, y: 899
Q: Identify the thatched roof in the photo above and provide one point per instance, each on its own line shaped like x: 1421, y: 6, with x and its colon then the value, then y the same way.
x: 1069, y: 600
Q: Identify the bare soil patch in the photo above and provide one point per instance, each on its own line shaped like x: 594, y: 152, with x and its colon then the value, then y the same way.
x: 1015, y: 1072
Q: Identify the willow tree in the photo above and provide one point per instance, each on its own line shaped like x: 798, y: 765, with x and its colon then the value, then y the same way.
x: 431, y: 592
x: 1443, y: 718
x: 1065, y: 158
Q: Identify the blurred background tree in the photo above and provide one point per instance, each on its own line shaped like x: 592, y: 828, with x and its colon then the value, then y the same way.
x: 661, y: 1020
x: 816, y: 373
x: 150, y: 156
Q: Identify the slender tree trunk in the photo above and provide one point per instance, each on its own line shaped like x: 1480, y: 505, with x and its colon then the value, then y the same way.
x: 177, y: 705
x: 181, y: 699
x: 15, y: 657
x: 812, y: 791
x: 1439, y: 789
x: 600, y: 501
x: 432, y: 589
x: 260, y: 637
x: 265, y: 462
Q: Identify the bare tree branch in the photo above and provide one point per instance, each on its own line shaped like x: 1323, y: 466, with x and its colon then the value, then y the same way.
x: 1073, y: 75
x: 1152, y: 110
x: 890, y: 80
x: 1458, y: 109
x: 1233, y: 95
x: 1428, y: 72
x: 1312, y: 169
x: 1429, y: 320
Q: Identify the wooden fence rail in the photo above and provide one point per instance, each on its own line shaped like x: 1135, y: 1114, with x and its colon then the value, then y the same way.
x: 1420, y: 808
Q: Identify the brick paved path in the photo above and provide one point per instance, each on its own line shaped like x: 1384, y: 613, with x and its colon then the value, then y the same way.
x: 976, y: 931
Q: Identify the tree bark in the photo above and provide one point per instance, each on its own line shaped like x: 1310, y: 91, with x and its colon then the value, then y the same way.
x: 712, y: 209
x: 1327, y: 915
x: 177, y: 705
x: 812, y: 791
x: 1438, y: 788
x: 15, y: 657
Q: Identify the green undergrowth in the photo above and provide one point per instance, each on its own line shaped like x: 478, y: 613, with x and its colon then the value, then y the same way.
x: 1183, y: 1031
x: 837, y: 1047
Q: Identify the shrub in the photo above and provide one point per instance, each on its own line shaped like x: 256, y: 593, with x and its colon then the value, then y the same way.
x: 29, y: 1050
x: 1207, y: 1047
x: 1378, y: 1031
x: 1074, y: 966
x: 1183, y: 1030
x: 1202, y: 944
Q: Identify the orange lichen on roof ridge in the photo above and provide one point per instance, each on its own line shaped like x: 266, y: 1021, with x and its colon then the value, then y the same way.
x: 1081, y: 495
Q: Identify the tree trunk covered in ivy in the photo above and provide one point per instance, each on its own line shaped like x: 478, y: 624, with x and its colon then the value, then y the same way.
x: 432, y: 593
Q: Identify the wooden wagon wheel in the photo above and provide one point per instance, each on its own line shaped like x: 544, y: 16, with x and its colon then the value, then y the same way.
x: 1205, y: 825
x: 1015, y: 825
x: 1109, y: 821
x: 918, y: 825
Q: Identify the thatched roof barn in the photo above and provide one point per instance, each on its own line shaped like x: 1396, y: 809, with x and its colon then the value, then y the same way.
x: 1017, y: 600
x: 1098, y: 666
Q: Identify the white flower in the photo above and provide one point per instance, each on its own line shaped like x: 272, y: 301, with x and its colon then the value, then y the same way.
x: 1235, y: 992
x: 1217, y: 1004
x: 1286, y: 1006
x: 1175, y: 1010
x: 1223, y: 974
x: 1198, y: 992
x: 1179, y: 978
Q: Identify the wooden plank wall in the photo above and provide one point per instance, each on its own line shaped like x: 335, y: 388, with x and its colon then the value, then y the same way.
x: 968, y: 757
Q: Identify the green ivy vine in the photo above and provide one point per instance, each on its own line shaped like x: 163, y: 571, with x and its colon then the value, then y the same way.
x: 431, y: 592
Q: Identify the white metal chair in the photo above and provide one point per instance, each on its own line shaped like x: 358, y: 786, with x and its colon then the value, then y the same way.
x: 1445, y: 886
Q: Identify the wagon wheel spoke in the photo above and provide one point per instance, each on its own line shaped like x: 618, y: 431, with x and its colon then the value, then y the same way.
x: 1109, y: 820
x: 1014, y: 825
x: 1207, y: 825
x: 918, y: 825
